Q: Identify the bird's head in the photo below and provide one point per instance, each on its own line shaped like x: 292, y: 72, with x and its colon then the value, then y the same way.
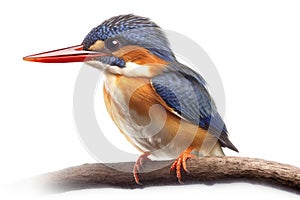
x: 118, y: 45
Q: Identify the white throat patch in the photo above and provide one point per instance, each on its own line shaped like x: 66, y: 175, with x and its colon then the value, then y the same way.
x: 130, y: 70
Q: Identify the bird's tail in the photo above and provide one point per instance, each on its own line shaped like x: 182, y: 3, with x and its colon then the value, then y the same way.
x: 216, y: 150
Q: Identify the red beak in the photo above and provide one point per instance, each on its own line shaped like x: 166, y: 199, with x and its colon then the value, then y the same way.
x: 69, y: 54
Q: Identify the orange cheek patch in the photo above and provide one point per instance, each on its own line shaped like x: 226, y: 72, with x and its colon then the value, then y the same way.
x: 97, y: 46
x: 138, y: 55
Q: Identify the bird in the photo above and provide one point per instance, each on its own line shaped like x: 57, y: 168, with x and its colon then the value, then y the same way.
x: 161, y: 106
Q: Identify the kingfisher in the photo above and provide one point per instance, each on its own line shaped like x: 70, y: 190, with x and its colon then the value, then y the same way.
x: 162, y: 107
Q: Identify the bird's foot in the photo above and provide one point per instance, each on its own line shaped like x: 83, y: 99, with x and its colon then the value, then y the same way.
x: 139, y: 165
x: 181, y: 163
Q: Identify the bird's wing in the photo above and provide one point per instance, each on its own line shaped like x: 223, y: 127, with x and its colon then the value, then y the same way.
x: 185, y: 93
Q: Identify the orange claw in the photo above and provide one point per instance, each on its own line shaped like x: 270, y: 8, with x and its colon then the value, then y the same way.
x: 138, y: 166
x: 181, y: 162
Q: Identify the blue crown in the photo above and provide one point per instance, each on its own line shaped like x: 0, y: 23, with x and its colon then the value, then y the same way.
x: 135, y: 30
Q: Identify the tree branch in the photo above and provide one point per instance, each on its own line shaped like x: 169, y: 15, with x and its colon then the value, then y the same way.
x: 208, y: 170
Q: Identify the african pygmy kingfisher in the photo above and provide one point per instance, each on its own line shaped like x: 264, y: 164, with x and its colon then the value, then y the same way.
x: 143, y: 76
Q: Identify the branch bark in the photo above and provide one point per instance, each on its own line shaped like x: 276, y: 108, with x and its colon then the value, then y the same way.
x: 207, y: 170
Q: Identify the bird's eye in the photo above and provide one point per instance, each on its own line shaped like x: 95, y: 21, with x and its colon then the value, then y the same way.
x: 112, y: 44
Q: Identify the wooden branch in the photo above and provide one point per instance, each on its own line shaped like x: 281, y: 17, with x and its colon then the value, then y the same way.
x: 207, y: 170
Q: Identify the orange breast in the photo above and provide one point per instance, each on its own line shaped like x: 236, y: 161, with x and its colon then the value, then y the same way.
x: 146, y: 122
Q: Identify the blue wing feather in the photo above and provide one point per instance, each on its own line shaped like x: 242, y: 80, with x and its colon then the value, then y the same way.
x: 186, y: 93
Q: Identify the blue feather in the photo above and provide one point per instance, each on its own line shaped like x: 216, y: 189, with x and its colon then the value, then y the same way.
x: 134, y: 30
x: 188, y: 97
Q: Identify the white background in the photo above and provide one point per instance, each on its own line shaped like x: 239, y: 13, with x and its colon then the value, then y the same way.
x: 254, y: 44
